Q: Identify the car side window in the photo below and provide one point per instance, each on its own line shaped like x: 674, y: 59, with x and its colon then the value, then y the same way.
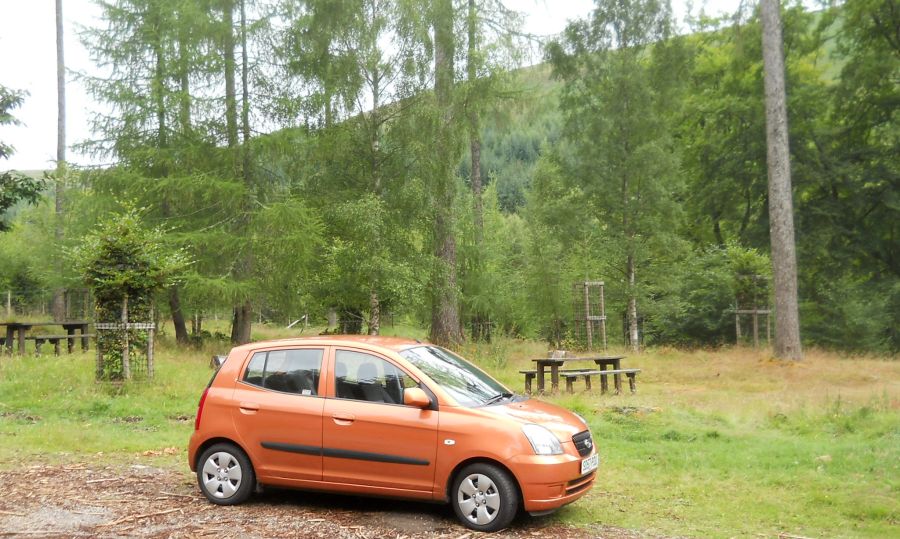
x: 255, y: 369
x: 288, y: 371
x: 365, y: 377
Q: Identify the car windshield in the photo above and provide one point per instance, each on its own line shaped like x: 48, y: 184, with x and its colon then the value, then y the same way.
x: 462, y: 380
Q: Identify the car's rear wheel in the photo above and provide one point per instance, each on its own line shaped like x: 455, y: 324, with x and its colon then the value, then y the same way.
x: 225, y: 474
x: 484, y: 497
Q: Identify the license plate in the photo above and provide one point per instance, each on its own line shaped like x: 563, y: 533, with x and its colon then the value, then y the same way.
x: 590, y: 464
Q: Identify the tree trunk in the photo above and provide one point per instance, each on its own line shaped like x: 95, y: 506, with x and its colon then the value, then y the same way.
x: 245, y: 98
x: 181, y: 334
x: 184, y: 100
x: 228, y: 53
x: 58, y: 304
x: 243, y: 313
x: 60, y: 98
x: 374, y: 314
x: 781, y: 213
x: 242, y: 323
x: 474, y: 128
x: 375, y: 149
x: 633, y: 334
x: 445, y: 327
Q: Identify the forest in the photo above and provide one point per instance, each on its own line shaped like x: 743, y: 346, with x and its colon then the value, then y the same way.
x: 365, y: 160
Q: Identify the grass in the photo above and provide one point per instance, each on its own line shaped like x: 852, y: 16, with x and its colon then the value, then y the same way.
x: 715, y: 444
x: 729, y: 443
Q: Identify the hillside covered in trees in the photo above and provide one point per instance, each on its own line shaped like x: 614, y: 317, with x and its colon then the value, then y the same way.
x: 375, y: 158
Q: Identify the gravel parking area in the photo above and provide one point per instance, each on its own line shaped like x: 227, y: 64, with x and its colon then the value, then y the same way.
x: 90, y: 500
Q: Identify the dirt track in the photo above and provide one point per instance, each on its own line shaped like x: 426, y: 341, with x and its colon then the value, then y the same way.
x: 89, y: 500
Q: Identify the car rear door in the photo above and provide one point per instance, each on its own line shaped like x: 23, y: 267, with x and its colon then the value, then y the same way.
x: 278, y: 412
x: 370, y: 438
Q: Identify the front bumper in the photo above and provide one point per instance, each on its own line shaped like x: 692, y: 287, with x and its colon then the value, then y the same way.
x: 550, y: 482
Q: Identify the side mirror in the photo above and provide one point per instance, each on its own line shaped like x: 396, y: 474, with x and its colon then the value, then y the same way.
x: 414, y: 396
x: 217, y: 361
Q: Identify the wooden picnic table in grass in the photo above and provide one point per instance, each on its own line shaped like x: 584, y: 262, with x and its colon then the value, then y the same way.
x: 613, y: 363
x: 75, y: 329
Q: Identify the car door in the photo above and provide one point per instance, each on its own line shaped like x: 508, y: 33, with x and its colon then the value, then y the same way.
x: 279, y: 412
x: 370, y: 437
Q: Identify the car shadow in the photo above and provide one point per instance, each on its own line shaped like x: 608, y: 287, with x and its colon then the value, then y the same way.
x: 404, y: 516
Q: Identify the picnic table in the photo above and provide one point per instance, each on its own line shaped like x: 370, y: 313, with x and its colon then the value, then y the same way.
x: 75, y: 329
x: 613, y: 363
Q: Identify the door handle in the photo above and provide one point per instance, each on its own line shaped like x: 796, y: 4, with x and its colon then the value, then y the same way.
x: 342, y: 418
x: 249, y: 407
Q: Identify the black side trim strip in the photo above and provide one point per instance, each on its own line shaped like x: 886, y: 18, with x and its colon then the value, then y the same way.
x: 343, y: 453
x: 376, y: 457
x: 293, y: 448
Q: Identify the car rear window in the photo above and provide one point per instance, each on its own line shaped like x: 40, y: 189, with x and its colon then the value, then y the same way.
x: 289, y: 371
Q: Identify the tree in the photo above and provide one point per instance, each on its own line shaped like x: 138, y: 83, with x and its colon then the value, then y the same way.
x: 491, y: 51
x: 616, y: 69
x: 59, y: 302
x: 125, y: 263
x: 165, y: 135
x: 360, y: 94
x: 445, y: 327
x: 243, y: 311
x: 847, y: 216
x: 781, y: 213
x: 14, y: 188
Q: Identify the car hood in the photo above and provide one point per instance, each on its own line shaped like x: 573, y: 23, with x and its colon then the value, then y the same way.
x: 560, y: 421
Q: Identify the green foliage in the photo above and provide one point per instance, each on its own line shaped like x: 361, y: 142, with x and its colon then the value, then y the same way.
x: 14, y: 188
x: 124, y: 263
x: 287, y: 237
x: 643, y: 147
x: 9, y: 101
x: 124, y: 258
x: 849, y: 214
x: 616, y: 102
x: 492, y: 273
x: 708, y: 284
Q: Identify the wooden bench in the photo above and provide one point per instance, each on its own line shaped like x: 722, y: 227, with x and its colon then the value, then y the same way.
x: 529, y: 376
x: 39, y: 340
x: 573, y: 375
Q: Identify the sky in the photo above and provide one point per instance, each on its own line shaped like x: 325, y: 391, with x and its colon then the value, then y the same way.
x: 28, y: 62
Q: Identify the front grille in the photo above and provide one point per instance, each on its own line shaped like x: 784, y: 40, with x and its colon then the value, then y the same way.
x: 582, y: 483
x: 583, y: 443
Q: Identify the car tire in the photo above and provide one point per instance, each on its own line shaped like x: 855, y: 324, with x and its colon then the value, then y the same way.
x: 225, y: 474
x: 484, y: 497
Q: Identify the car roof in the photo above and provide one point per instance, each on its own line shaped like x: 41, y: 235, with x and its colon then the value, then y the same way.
x: 373, y: 341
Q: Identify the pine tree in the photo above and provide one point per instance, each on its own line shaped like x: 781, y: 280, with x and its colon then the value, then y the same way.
x: 781, y: 213
x: 614, y: 101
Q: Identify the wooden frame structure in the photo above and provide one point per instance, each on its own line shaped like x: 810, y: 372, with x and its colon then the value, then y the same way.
x: 123, y: 330
x: 755, y: 311
x: 589, y: 307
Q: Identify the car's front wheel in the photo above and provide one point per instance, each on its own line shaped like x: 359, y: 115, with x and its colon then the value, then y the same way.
x: 225, y: 474
x: 484, y: 497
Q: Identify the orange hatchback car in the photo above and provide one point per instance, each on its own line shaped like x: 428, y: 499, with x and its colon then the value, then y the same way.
x: 385, y: 417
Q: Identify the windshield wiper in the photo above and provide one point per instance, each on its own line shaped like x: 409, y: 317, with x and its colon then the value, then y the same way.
x: 498, y: 397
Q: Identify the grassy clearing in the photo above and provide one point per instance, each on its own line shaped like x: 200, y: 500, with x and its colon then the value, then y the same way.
x: 715, y: 443
x: 729, y: 443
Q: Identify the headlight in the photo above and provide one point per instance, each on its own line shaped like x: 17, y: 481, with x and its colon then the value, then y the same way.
x: 542, y: 440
